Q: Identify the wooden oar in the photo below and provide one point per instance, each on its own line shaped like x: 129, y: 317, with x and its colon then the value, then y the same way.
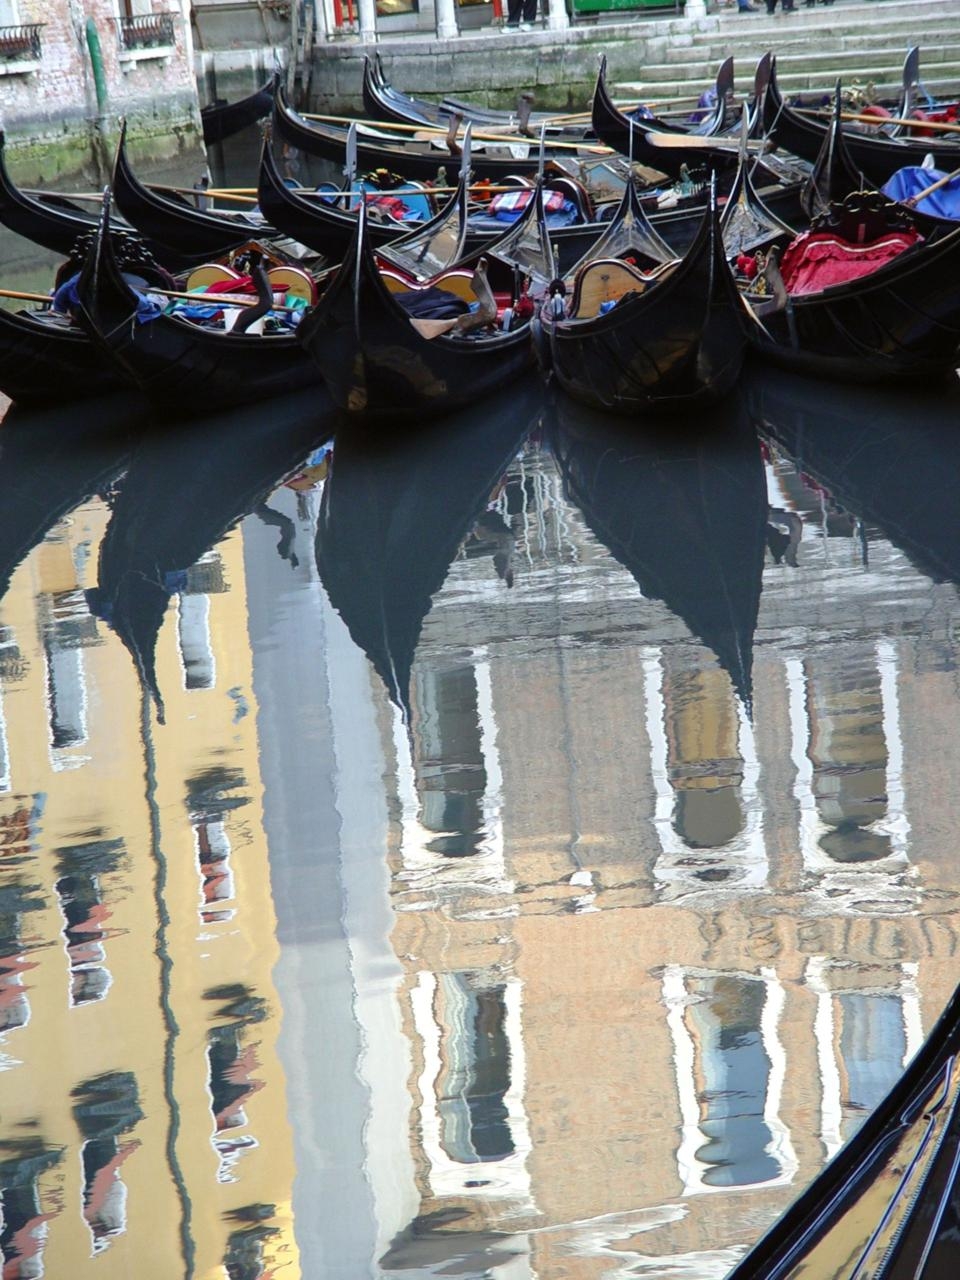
x: 912, y: 201
x: 26, y: 297
x: 427, y: 131
x: 884, y: 120
x: 230, y: 299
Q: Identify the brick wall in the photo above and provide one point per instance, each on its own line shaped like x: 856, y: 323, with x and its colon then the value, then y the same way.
x: 49, y: 102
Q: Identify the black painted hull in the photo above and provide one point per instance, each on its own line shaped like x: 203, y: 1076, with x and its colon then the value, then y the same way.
x: 413, y: 159
x: 378, y: 367
x: 382, y: 102
x: 680, y: 343
x: 223, y: 120
x: 876, y: 157
x: 887, y: 1206
x: 194, y: 234
x: 176, y: 362
x: 44, y: 363
x: 899, y: 323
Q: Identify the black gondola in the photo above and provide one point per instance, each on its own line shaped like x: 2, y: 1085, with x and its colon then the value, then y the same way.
x: 900, y: 322
x: 685, y: 512
x: 875, y: 155
x: 218, y: 474
x: 377, y: 364
x: 887, y: 1205
x: 663, y: 146
x: 414, y: 158
x: 222, y: 119
x: 381, y: 101
x: 173, y: 360
x: 46, y: 359
x: 194, y: 234
x: 394, y: 513
x: 631, y: 344
x: 327, y: 226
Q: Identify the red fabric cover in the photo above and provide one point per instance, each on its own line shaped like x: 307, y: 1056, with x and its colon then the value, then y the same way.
x: 875, y: 109
x: 817, y: 259
x: 242, y: 284
x: 393, y: 206
x: 746, y: 265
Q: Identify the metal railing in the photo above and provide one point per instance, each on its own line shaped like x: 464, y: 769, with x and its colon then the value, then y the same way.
x: 22, y: 43
x: 145, y: 31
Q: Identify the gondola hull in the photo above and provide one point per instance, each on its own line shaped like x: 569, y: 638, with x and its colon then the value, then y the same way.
x: 900, y: 323
x: 376, y: 364
x: 680, y: 343
x: 175, y: 361
x: 875, y: 156
x: 196, y: 235
x: 413, y: 158
x: 887, y: 1205
x: 222, y: 120
x: 45, y: 362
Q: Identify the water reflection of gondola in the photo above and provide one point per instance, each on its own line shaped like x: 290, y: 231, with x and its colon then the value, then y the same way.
x: 685, y: 511
x: 394, y: 513
x: 889, y: 457
x: 52, y: 459
x: 185, y: 488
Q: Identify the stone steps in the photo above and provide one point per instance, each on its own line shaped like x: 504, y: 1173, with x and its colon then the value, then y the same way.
x: 860, y: 43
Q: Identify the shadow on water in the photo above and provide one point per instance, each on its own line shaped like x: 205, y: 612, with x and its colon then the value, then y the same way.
x: 186, y: 485
x: 52, y: 459
x: 395, y: 510
x: 683, y: 507
x: 888, y: 457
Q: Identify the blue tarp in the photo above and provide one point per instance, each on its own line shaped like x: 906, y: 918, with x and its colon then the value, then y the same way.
x: 906, y: 183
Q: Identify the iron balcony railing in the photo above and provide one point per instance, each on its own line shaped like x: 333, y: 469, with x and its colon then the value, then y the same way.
x: 22, y: 43
x: 145, y: 31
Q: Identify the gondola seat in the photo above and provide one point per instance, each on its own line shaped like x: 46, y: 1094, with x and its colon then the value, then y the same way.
x: 607, y: 280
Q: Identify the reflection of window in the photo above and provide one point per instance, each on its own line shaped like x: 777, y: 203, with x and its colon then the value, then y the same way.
x: 472, y: 1121
x: 196, y: 649
x: 867, y: 1027
x: 106, y: 1107
x: 23, y: 1223
x: 85, y: 914
x: 387, y: 7
x: 847, y: 750
x: 231, y: 1064
x: 730, y: 1068
x: 68, y: 627
x: 705, y: 773
x: 476, y: 1074
x: 450, y: 767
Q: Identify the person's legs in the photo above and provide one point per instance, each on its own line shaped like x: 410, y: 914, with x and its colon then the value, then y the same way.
x: 514, y: 8
x: 529, y: 11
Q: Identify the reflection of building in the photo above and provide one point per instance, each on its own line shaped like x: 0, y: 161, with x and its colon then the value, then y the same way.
x: 684, y: 895
x: 144, y: 1127
x: 583, y: 966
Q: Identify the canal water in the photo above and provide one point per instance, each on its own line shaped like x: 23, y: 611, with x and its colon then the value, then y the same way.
x: 518, y: 848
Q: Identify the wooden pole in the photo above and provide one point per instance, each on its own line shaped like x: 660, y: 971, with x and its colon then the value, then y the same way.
x: 426, y: 131
x: 881, y: 120
x: 913, y: 201
x: 26, y: 297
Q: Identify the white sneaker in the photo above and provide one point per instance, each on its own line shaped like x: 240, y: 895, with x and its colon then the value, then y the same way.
x: 526, y: 26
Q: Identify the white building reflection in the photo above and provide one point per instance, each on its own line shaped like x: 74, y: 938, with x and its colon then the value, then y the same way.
x: 489, y: 1077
